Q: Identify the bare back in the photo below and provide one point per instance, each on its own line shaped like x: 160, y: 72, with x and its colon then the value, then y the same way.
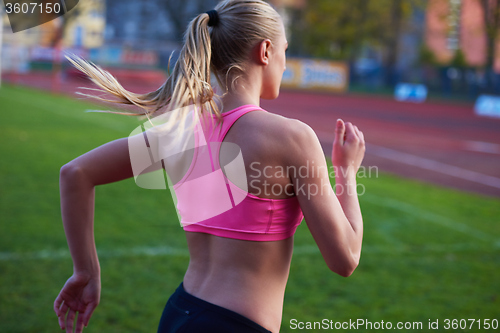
x: 247, y: 277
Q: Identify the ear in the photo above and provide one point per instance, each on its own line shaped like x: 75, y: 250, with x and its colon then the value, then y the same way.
x: 263, y: 52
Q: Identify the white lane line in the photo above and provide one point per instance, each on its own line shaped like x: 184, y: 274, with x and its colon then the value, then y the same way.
x: 124, y: 252
x: 483, y: 147
x: 431, y: 217
x: 426, y: 163
x: 433, y: 165
x: 180, y: 252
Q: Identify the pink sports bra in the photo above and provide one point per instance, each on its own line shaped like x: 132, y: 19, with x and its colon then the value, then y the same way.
x: 209, y: 202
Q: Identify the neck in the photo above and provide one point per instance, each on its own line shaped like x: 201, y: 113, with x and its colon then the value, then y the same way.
x: 246, y: 90
x: 231, y: 102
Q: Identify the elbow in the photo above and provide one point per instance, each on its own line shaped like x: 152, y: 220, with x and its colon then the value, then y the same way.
x: 71, y: 173
x: 347, y: 271
x: 69, y: 170
x: 346, y: 267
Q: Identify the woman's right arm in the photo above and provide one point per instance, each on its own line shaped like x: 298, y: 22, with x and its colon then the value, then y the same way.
x: 106, y: 164
x: 333, y: 217
x: 78, y: 178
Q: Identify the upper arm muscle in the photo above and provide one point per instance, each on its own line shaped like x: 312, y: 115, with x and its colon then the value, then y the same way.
x: 106, y: 164
x: 322, y: 210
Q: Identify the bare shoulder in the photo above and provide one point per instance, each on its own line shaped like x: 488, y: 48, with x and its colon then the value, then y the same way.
x: 285, y: 130
x: 281, y: 139
x: 291, y: 134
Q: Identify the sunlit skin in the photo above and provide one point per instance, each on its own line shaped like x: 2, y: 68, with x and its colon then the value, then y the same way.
x: 257, y: 272
x: 243, y: 276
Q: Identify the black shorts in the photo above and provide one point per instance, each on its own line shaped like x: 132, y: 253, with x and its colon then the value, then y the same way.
x: 185, y: 313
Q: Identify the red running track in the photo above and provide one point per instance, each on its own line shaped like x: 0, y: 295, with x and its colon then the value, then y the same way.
x: 440, y: 143
x: 445, y: 144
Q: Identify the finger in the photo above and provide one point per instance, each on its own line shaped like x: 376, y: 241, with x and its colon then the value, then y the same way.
x: 62, y: 314
x: 357, y: 131
x: 79, y: 323
x: 63, y: 309
x: 362, y: 136
x: 350, y: 132
x: 57, y: 304
x: 88, y: 313
x: 70, y: 320
x: 339, y: 132
x: 61, y: 321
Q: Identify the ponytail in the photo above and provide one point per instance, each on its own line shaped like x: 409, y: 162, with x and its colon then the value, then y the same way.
x: 238, y: 26
x: 189, y: 82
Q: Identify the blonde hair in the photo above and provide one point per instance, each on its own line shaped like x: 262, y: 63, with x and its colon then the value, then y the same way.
x: 222, y: 49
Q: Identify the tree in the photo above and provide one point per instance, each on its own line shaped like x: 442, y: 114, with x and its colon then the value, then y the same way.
x: 491, y: 18
x: 69, y: 16
x: 392, y: 39
x: 334, y: 28
x: 339, y: 29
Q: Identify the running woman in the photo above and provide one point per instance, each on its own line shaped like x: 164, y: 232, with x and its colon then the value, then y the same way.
x: 239, y: 256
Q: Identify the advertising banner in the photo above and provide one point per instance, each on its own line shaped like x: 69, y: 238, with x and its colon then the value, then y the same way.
x: 312, y: 74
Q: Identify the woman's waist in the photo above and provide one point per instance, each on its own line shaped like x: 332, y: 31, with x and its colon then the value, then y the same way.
x: 237, y: 278
x: 259, y: 297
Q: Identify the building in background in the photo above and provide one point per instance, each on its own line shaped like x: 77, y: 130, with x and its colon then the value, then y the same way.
x: 149, y: 23
x: 137, y: 23
x: 85, y: 25
x: 30, y: 37
x: 287, y: 8
x: 457, y: 26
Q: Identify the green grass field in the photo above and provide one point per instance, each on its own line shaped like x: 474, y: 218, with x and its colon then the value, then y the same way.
x: 429, y: 253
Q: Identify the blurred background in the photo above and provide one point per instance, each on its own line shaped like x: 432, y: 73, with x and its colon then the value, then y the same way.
x: 448, y: 45
x: 407, y: 51
x: 421, y: 78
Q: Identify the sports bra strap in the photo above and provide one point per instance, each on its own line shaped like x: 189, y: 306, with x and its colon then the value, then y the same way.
x: 217, y: 135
